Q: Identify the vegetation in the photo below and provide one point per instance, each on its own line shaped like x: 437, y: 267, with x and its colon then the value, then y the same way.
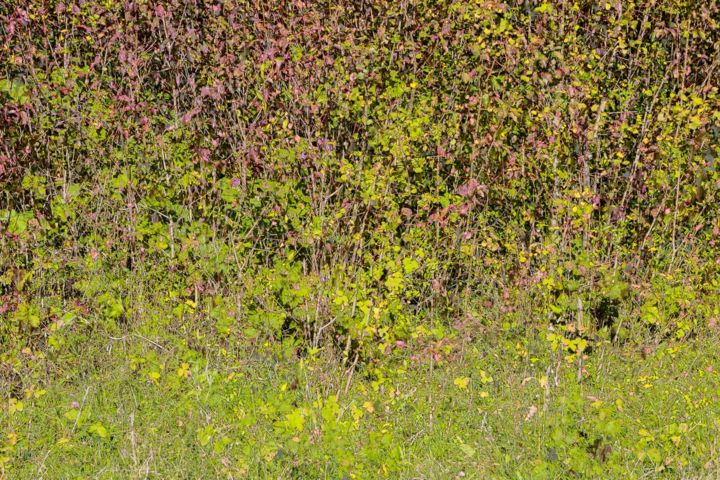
x: 352, y: 239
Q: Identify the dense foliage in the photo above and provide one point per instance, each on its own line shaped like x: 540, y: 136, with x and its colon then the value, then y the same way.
x: 357, y: 177
x: 344, y: 165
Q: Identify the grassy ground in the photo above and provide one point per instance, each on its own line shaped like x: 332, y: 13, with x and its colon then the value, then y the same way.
x: 133, y: 406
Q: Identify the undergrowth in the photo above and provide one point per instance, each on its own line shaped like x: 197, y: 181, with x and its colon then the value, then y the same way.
x: 416, y: 239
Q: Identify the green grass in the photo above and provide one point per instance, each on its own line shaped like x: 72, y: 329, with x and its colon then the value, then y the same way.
x: 128, y: 408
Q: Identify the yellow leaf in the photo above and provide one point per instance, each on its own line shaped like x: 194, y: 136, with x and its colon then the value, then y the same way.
x: 183, y: 371
x: 15, y: 406
x: 462, y: 382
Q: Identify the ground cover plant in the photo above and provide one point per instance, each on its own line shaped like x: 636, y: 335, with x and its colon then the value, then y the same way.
x: 359, y: 239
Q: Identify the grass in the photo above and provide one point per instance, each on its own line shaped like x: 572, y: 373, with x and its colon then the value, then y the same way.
x: 133, y: 406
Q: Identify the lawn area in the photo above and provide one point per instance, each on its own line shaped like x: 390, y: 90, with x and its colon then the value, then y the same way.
x: 507, y: 407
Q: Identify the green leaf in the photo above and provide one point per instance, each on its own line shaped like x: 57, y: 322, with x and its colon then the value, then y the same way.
x: 19, y: 222
x: 466, y: 449
x: 394, y: 282
x: 654, y: 455
x: 204, y: 435
x: 295, y: 420
x: 98, y: 429
x: 650, y: 314
x: 410, y: 265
